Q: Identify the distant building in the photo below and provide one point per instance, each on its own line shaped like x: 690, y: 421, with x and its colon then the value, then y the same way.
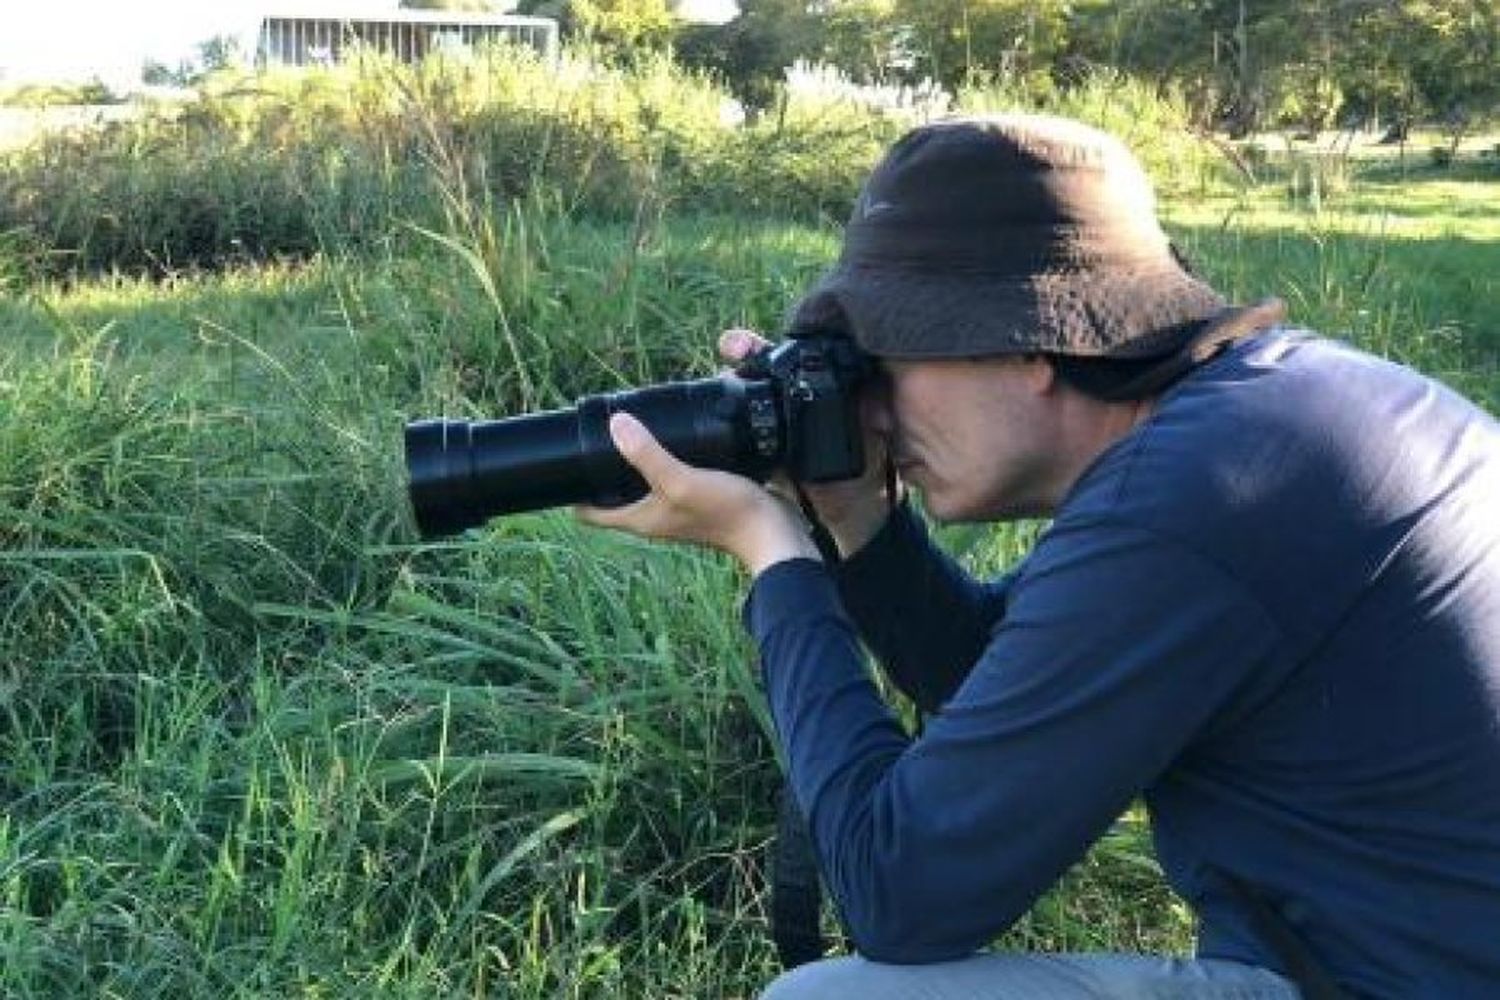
x: 409, y: 35
x: 704, y: 11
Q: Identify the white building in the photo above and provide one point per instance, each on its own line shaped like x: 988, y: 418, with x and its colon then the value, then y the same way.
x: 409, y: 35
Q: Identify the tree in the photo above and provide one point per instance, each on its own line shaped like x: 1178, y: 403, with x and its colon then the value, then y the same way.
x: 220, y: 52
x: 1160, y: 40
x: 155, y: 73
x: 866, y: 41
x: 752, y: 52
x: 471, y: 6
x: 956, y: 41
x: 1243, y: 64
x: 213, y: 54
x: 622, y: 27
x: 1456, y: 64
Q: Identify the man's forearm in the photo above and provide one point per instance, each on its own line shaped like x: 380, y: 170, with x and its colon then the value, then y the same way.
x: 922, y: 616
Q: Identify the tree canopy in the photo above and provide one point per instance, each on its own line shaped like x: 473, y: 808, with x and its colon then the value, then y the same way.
x: 469, y: 6
x: 1243, y: 65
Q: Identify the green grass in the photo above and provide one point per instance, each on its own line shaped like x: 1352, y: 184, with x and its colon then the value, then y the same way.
x: 1407, y: 271
x: 257, y: 740
x: 288, y: 165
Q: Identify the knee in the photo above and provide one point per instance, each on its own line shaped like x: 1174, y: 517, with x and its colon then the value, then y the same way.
x: 827, y: 979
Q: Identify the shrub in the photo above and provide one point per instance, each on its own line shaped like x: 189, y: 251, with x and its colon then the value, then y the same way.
x: 1155, y: 124
x: 287, y: 164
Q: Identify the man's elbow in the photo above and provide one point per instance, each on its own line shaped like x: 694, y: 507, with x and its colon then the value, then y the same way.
x: 900, y: 908
x: 903, y: 951
x: 907, y: 935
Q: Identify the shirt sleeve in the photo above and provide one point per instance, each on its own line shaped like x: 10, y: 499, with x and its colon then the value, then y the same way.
x: 1117, y: 646
x: 923, y: 617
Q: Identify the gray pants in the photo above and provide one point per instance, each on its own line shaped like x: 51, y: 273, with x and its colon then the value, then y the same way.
x: 1010, y: 976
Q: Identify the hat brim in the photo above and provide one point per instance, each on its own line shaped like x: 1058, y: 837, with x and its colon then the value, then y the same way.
x: 1132, y: 311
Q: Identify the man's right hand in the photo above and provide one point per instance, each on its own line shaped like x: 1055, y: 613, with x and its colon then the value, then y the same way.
x: 852, y: 510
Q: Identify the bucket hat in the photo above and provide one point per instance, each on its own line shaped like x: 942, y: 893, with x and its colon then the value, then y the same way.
x: 1006, y: 234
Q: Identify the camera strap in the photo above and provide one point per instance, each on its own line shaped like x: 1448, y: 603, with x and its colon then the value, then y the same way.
x: 796, y: 890
x: 821, y: 536
x: 796, y: 893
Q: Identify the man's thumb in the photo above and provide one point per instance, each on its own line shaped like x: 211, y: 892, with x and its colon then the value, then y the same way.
x: 738, y: 344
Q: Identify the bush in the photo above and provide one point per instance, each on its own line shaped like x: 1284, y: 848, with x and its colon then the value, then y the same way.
x: 290, y: 164
x: 358, y: 153
x: 50, y: 95
x: 1156, y: 125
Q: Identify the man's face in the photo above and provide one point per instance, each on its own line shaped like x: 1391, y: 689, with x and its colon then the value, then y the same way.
x: 976, y: 436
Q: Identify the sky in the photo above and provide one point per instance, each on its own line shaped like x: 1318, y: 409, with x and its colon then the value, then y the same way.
x: 110, y: 39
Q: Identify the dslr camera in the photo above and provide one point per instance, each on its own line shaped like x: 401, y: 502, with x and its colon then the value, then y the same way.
x: 791, y: 407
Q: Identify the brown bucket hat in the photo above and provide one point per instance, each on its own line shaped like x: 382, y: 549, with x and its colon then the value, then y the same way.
x: 1008, y: 234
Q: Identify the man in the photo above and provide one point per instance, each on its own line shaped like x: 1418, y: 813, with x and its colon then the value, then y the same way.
x: 1268, y: 602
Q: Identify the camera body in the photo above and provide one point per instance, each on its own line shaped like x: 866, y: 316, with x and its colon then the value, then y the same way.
x: 793, y: 407
x: 814, y: 383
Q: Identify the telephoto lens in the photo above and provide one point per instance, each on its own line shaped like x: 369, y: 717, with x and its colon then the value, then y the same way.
x: 794, y: 406
x: 462, y: 473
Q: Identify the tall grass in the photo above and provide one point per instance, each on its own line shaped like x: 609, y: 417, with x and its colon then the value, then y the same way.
x: 288, y: 165
x: 257, y: 740
x: 1155, y: 123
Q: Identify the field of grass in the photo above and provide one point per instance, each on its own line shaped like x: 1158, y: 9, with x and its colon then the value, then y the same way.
x: 257, y: 740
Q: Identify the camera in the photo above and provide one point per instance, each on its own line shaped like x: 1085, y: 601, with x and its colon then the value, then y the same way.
x: 794, y: 407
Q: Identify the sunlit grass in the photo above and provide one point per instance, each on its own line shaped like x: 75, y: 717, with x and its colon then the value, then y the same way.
x: 1415, y: 210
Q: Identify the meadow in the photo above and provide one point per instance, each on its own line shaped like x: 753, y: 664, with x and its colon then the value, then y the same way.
x: 258, y: 739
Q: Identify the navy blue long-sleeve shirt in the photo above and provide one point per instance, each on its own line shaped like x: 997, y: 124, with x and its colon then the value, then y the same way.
x: 1273, y: 609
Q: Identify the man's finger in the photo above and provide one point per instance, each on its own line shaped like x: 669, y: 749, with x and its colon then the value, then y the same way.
x: 635, y: 443
x: 738, y: 344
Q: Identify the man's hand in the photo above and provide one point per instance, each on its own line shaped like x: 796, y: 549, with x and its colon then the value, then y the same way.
x: 853, y: 510
x: 704, y: 506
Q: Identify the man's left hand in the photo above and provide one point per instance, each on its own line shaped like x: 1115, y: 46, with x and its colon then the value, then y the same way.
x: 720, y: 510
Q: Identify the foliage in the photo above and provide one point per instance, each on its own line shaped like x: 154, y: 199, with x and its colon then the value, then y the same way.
x: 1302, y: 64
x: 1308, y: 63
x: 48, y: 95
x: 958, y: 41
x: 752, y: 53
x: 625, y: 28
x: 1457, y: 70
x: 367, y: 151
x: 1156, y: 123
x: 881, y: 41
x: 214, y: 55
x: 265, y: 739
x: 475, y: 6
x: 370, y: 151
x: 258, y: 740
x: 866, y: 41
